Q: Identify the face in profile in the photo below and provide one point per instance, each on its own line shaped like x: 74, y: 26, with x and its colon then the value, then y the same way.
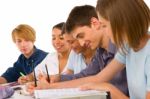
x: 106, y: 27
x: 25, y: 46
x: 87, y: 36
x: 75, y: 45
x: 58, y: 41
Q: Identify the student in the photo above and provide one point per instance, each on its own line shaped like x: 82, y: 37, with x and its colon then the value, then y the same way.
x: 77, y: 62
x: 84, y: 20
x: 56, y: 61
x: 24, y: 37
x: 127, y: 23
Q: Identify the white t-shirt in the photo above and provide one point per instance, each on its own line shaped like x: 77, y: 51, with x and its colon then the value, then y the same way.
x: 76, y: 62
x: 51, y: 60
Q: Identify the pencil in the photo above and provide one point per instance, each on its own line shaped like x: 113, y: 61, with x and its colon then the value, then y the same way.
x: 48, y: 78
x: 22, y: 74
x: 35, y: 82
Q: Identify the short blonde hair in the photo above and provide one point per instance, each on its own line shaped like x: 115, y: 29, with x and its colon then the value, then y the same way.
x: 24, y: 31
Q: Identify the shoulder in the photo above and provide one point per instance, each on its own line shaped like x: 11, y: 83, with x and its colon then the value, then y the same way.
x: 52, y: 55
x: 41, y: 51
x: 74, y: 55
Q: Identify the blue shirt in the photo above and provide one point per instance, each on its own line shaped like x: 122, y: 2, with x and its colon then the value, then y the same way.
x: 99, y: 61
x: 24, y: 65
x: 138, y: 70
x: 76, y: 62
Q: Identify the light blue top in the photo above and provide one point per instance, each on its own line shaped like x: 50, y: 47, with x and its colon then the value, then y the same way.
x: 138, y: 70
x: 76, y: 62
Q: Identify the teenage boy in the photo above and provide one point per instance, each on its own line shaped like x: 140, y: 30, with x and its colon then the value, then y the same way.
x: 24, y: 37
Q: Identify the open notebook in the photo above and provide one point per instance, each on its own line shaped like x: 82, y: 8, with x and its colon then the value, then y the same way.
x: 68, y: 93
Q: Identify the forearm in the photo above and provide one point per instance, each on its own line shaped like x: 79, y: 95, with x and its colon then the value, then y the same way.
x: 88, y: 71
x: 74, y: 83
x: 2, y: 80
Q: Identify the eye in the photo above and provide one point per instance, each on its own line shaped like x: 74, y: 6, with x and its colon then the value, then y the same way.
x: 27, y: 40
x: 61, y: 37
x: 80, y: 36
x: 53, y: 38
x: 104, y: 26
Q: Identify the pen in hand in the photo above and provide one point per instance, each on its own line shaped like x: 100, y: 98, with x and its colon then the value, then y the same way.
x: 35, y: 81
x: 48, y: 78
x: 22, y: 74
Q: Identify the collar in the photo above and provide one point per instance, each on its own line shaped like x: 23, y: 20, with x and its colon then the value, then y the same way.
x: 112, y: 48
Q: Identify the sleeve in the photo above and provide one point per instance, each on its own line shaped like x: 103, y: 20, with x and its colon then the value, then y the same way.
x: 147, y: 70
x: 12, y: 73
x: 120, y: 57
x: 91, y: 69
x: 52, y: 64
x: 71, y: 60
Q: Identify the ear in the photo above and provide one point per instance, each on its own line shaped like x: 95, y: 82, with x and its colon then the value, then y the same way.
x: 95, y: 23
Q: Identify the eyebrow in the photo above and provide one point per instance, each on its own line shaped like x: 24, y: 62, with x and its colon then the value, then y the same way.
x: 79, y: 34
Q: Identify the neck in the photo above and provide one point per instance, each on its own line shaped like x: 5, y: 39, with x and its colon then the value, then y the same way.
x: 29, y: 54
x: 88, y: 54
x: 104, y: 42
x: 64, y: 55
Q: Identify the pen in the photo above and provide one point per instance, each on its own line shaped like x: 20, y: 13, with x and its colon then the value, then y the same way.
x: 22, y: 74
x: 48, y: 78
x: 35, y: 82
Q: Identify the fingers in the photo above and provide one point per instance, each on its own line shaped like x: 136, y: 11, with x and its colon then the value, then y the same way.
x: 23, y: 79
x: 30, y: 87
x: 54, y: 78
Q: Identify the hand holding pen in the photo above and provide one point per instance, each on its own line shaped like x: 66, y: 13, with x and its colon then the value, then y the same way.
x: 48, y: 78
x: 42, y: 76
x: 23, y: 79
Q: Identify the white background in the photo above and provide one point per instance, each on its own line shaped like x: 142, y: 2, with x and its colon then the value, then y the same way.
x: 40, y: 14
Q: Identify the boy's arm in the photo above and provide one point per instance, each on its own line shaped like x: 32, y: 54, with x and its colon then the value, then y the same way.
x: 2, y: 80
x: 105, y: 75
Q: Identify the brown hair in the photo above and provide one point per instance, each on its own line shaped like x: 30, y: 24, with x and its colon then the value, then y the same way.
x: 59, y: 25
x: 80, y: 16
x: 130, y: 18
x: 24, y: 31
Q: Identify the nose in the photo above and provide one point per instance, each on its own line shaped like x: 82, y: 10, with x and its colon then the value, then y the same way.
x: 82, y: 42
x: 57, y: 41
x: 23, y: 43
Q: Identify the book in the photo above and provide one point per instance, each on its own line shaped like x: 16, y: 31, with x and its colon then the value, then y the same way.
x: 68, y: 93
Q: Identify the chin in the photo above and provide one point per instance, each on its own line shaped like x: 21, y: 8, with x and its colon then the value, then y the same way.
x: 92, y: 47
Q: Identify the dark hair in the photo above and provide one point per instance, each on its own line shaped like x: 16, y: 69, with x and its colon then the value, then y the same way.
x: 63, y: 29
x: 80, y: 16
x: 130, y: 18
x: 59, y: 25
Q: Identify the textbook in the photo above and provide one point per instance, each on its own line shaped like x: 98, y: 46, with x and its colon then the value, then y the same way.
x: 69, y: 93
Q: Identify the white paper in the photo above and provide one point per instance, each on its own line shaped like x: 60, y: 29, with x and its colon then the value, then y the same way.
x: 66, y: 93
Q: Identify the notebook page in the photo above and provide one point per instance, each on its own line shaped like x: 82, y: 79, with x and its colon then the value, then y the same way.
x: 66, y: 93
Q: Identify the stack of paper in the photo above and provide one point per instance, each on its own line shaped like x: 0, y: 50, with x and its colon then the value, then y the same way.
x: 68, y: 93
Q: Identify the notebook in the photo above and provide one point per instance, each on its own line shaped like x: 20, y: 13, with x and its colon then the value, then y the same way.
x: 68, y: 93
